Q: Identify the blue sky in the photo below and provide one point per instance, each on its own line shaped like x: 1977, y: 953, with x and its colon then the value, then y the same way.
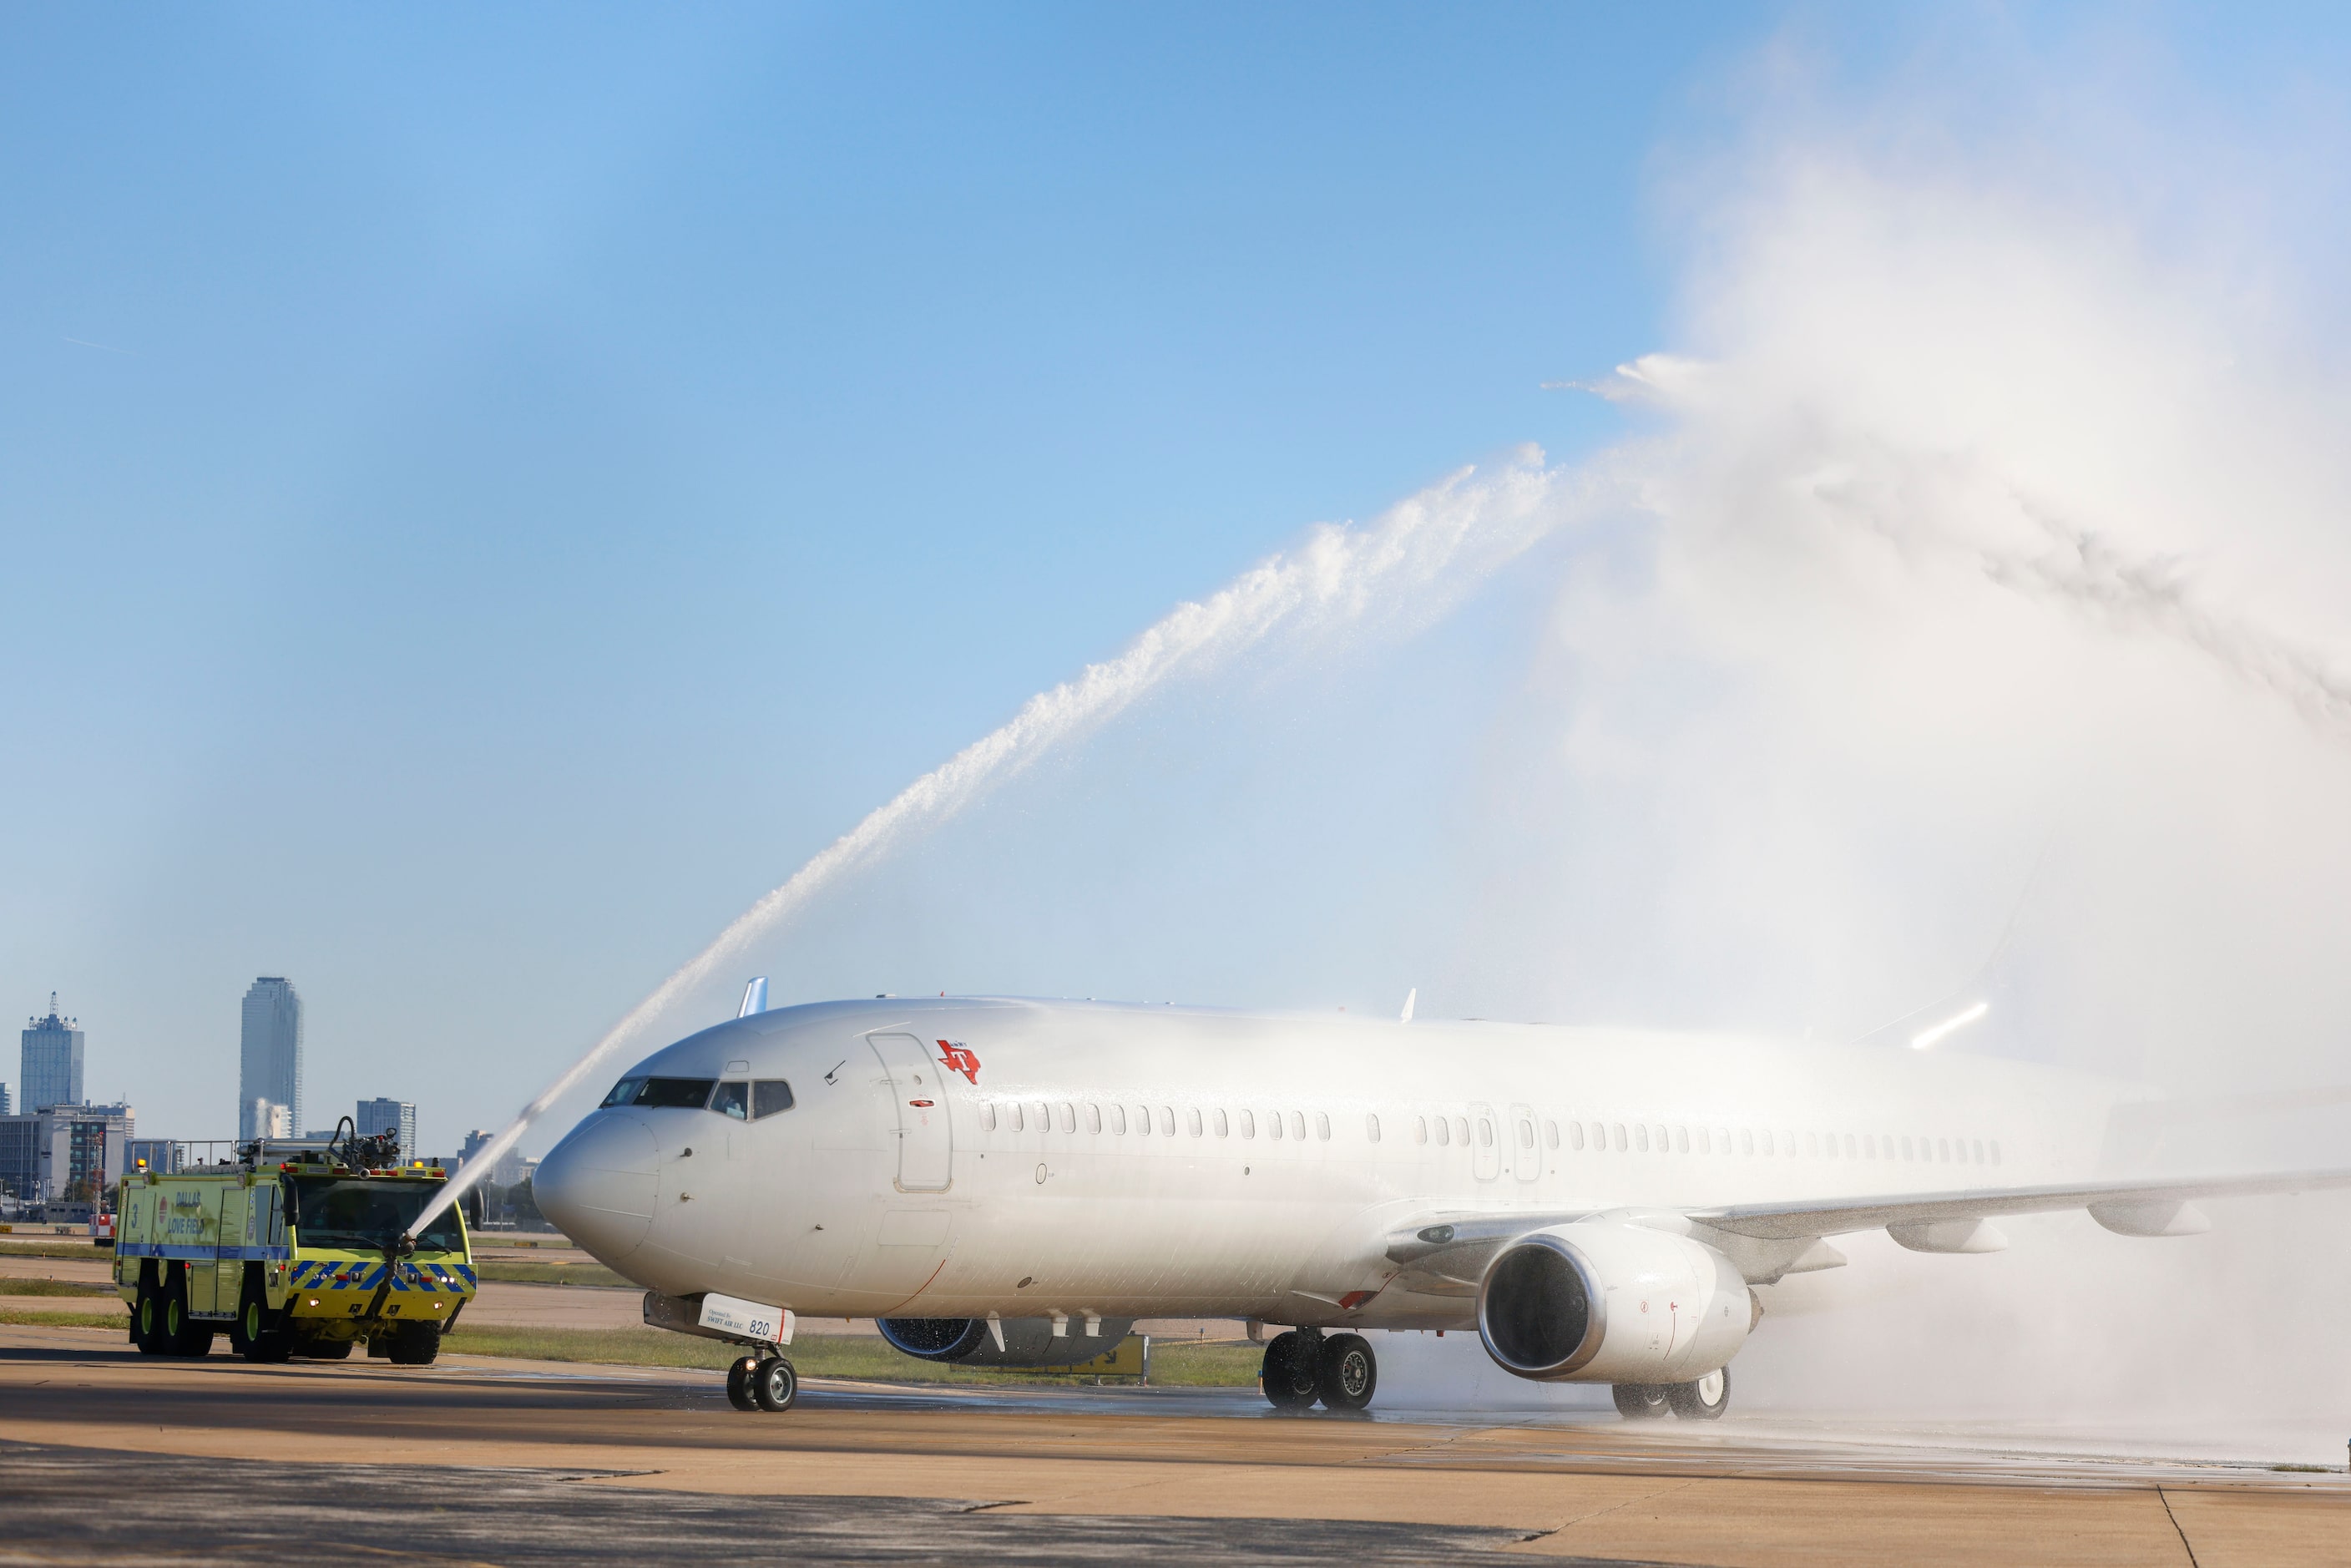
x: 488, y: 491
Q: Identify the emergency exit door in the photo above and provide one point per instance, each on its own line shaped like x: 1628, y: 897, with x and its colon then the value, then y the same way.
x: 918, y: 1089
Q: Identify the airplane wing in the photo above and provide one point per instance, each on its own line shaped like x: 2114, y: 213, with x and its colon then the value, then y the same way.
x: 2124, y: 1201
x: 1445, y: 1254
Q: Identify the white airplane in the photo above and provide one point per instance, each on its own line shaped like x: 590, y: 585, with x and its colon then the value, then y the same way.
x: 1014, y: 1182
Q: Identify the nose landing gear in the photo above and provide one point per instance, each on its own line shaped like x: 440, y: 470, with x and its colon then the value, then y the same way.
x: 1301, y: 1366
x: 762, y: 1383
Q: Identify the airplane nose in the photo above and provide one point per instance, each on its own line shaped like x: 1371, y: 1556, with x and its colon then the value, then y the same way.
x: 597, y: 1185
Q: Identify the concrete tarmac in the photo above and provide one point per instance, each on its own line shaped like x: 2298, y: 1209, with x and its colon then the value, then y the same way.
x: 484, y: 1459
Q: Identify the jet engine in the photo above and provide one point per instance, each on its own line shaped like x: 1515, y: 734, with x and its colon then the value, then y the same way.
x: 1027, y: 1341
x: 1606, y: 1301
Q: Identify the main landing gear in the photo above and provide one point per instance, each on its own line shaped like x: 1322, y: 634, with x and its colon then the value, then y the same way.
x: 762, y: 1383
x: 1302, y: 1366
x: 1703, y: 1400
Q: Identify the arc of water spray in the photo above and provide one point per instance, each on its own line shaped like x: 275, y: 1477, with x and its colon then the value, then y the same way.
x: 1434, y: 546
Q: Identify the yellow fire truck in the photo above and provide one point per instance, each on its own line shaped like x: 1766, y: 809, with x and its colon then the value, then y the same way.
x: 304, y: 1252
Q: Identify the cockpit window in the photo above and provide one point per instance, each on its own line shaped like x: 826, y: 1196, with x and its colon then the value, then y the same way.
x: 662, y: 1093
x: 769, y: 1095
x: 732, y: 1099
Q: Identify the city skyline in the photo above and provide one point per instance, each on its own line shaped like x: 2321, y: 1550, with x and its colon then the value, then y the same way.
x: 272, y: 1065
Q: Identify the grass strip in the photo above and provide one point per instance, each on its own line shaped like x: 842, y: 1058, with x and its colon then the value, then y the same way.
x: 54, y: 1288
x: 116, y: 1322
x: 856, y: 1356
x: 60, y: 1248
x: 519, y: 1271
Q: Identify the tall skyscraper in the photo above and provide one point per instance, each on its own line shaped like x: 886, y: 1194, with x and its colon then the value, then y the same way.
x: 51, y: 1072
x: 269, y: 1062
x: 397, y: 1117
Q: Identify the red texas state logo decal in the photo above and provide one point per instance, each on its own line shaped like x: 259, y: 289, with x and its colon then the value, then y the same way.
x: 959, y: 1059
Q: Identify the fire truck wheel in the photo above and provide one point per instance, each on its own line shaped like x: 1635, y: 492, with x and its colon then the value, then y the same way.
x: 252, y: 1319
x: 414, y: 1344
x: 738, y: 1382
x: 774, y: 1384
x: 183, y: 1335
x: 147, y: 1321
x: 260, y: 1335
x: 319, y: 1349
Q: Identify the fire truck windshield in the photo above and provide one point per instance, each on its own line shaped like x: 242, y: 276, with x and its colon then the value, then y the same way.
x: 362, y: 1214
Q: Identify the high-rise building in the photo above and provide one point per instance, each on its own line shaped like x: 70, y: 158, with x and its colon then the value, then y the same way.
x: 476, y: 1142
x: 51, y: 1073
x: 397, y: 1117
x: 21, y: 1156
x: 3, y: 1100
x: 70, y: 1152
x: 269, y: 1060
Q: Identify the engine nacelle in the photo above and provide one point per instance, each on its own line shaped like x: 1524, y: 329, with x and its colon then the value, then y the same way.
x: 1027, y: 1341
x: 1604, y: 1301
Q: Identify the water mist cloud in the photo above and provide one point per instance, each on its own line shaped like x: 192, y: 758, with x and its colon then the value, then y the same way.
x: 1971, y: 512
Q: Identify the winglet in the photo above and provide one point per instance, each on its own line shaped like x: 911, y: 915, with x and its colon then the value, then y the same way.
x: 755, y: 998
x: 1410, y: 996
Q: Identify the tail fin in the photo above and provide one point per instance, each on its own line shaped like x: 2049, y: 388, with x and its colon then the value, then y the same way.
x: 1928, y: 1027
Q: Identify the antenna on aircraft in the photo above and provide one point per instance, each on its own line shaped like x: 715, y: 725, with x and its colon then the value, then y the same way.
x: 755, y: 998
x: 1410, y: 996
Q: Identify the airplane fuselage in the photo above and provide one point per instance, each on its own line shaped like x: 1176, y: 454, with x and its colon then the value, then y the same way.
x: 956, y: 1158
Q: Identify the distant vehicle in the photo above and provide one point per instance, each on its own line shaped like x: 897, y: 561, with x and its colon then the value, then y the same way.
x: 1009, y: 1180
x: 307, y: 1255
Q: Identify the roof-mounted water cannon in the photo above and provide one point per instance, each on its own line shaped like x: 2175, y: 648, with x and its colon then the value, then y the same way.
x: 377, y: 1150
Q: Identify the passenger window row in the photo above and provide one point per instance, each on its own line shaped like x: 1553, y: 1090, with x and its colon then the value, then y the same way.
x: 1749, y: 1142
x: 1149, y: 1121
x: 1480, y: 1131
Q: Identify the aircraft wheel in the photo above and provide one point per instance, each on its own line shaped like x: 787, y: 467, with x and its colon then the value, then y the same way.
x: 1704, y: 1400
x: 774, y: 1384
x: 1640, y: 1401
x: 738, y: 1382
x: 1349, y: 1372
x: 1290, y: 1370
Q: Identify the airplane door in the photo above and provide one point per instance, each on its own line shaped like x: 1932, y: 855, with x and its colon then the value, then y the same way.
x: 925, y: 1142
x: 1486, y: 1135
